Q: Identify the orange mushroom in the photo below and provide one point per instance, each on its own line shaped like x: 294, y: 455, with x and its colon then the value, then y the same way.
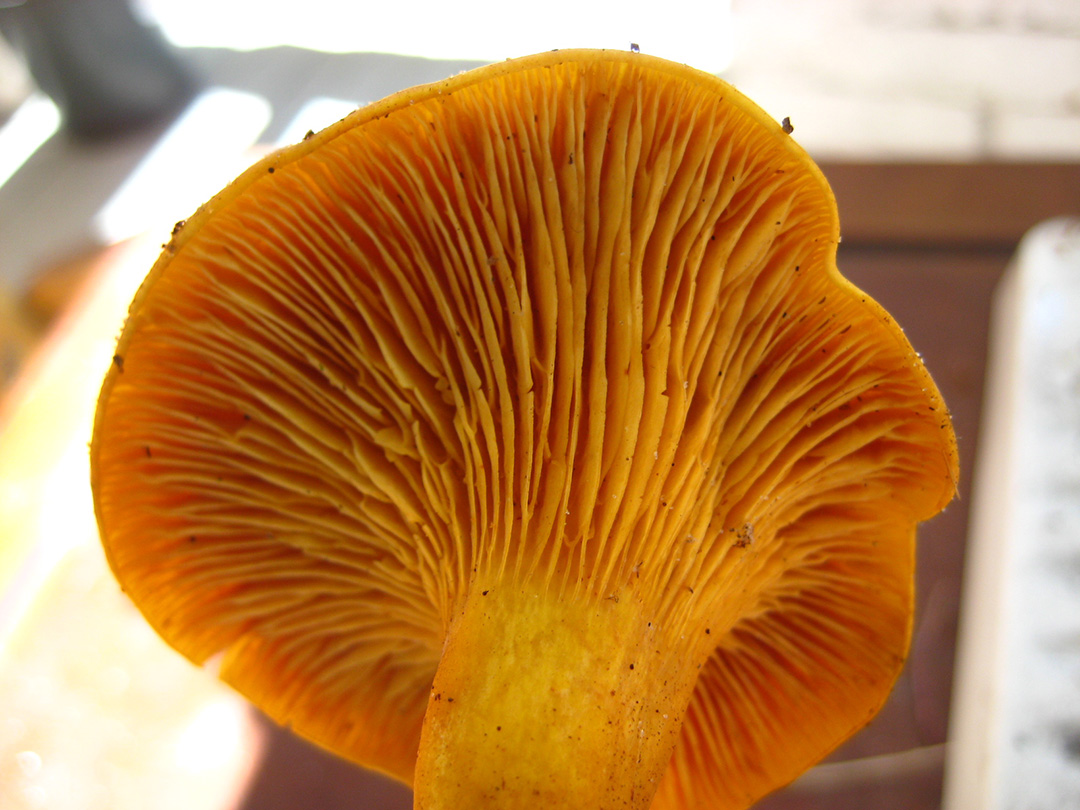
x: 517, y: 437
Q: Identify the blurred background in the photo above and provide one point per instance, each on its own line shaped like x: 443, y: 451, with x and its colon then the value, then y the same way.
x: 948, y: 129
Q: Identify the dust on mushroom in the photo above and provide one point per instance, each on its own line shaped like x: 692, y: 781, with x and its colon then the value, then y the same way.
x: 475, y: 478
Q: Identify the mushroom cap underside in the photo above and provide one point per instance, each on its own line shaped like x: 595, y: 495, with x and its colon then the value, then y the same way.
x: 569, y: 323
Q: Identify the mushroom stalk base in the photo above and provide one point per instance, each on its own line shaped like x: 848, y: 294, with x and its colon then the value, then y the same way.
x: 544, y: 702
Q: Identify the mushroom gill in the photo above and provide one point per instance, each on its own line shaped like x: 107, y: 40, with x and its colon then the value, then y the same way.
x: 517, y: 437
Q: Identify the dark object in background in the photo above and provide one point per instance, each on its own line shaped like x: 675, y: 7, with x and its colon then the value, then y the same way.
x: 107, y: 72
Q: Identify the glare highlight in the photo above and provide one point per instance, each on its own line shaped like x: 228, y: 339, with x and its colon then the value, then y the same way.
x: 206, y: 147
x: 32, y: 124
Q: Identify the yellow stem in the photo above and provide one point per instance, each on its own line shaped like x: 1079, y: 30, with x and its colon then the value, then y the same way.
x: 542, y: 702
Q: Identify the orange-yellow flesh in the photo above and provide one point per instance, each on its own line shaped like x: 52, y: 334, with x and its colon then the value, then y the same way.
x: 540, y: 703
x: 569, y: 325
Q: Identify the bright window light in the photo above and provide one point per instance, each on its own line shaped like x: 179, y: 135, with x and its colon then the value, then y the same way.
x: 214, y: 735
x: 33, y: 123
x: 205, y: 149
x: 696, y: 32
x: 59, y: 531
x: 317, y: 113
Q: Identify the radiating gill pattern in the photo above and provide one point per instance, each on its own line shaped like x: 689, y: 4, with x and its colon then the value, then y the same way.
x: 569, y: 329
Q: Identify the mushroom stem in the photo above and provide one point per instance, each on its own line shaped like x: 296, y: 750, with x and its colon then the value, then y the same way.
x: 551, y: 702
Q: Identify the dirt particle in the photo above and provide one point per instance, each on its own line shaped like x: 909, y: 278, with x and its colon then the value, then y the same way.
x: 744, y: 536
